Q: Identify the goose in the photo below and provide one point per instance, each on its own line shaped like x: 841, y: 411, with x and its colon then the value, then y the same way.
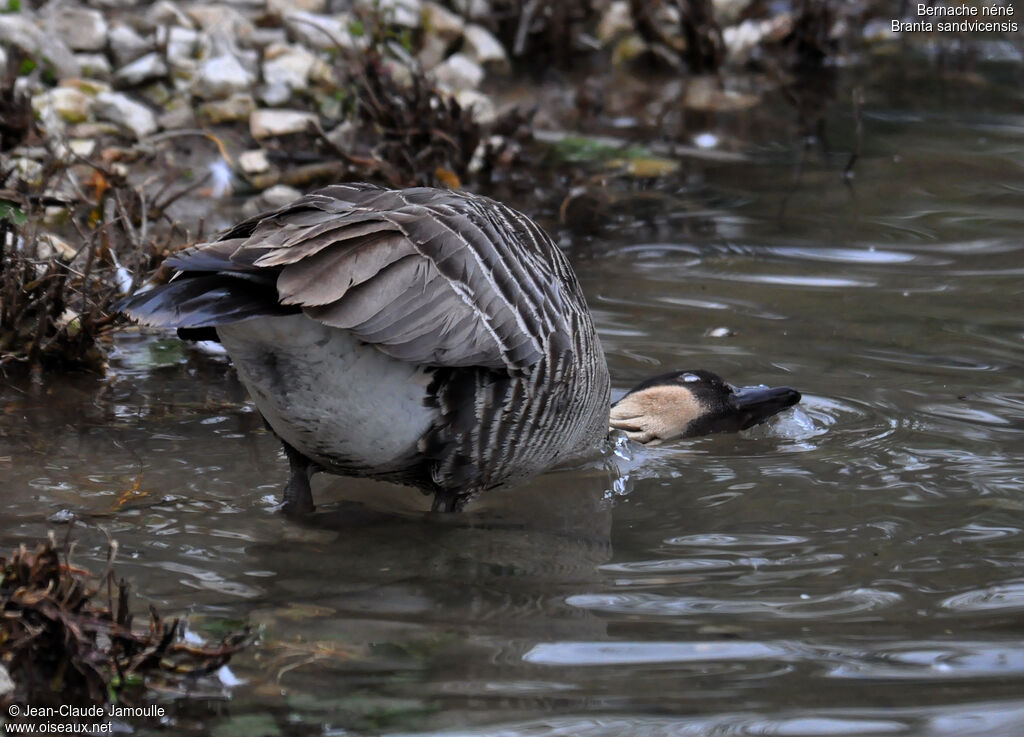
x: 431, y: 338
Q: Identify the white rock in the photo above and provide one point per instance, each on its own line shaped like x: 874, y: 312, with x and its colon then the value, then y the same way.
x: 728, y: 12
x: 248, y: 58
x: 19, y: 31
x: 125, y: 112
x: 266, y: 123
x: 480, y: 106
x: 472, y: 8
x: 183, y: 71
x: 176, y: 116
x: 481, y: 46
x: 401, y: 13
x: 91, y: 87
x: 222, y: 20
x: 69, y: 151
x: 68, y: 104
x: 616, y: 22
x: 96, y: 66
x: 221, y: 76
x: 126, y: 45
x: 479, y: 157
x: 50, y: 246
x: 432, y: 51
x: 279, y: 195
x: 263, y: 37
x: 740, y: 40
x: 93, y: 129
x: 24, y: 87
x: 280, y: 7
x: 254, y: 161
x: 14, y: 25
x: 181, y: 43
x: 441, y: 22
x: 458, y: 72
x: 322, y: 73
x: 237, y: 107
x: 84, y: 147
x: 81, y: 28
x: 6, y: 683
x: 287, y: 65
x: 323, y: 31
x: 166, y: 13
x: 143, y: 69
x: 27, y: 170
x: 275, y: 95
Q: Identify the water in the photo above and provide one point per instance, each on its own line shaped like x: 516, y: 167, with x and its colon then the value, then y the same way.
x: 854, y: 568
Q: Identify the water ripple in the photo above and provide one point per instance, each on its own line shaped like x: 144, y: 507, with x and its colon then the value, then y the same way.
x: 978, y: 719
x: 622, y: 653
x: 869, y: 255
x: 740, y: 540
x: 804, y: 606
x: 794, y: 280
x: 1001, y: 597
x: 932, y: 361
x: 965, y: 414
x: 933, y: 660
x: 907, y: 660
x: 725, y: 725
x: 683, y: 565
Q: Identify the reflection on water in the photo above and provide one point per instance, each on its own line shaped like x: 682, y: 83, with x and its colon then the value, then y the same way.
x: 852, y: 568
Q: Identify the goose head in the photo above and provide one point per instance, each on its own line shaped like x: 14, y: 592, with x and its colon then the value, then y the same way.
x: 694, y: 402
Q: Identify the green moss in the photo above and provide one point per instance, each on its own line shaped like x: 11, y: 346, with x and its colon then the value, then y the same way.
x: 582, y: 150
x: 10, y: 211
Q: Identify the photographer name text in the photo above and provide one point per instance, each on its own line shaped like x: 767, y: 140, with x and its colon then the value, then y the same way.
x: 77, y: 712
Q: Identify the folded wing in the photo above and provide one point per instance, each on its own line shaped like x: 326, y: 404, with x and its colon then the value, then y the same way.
x: 427, y: 276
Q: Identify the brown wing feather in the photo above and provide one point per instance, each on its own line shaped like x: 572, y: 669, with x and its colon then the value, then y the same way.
x: 326, y: 275
x: 429, y: 276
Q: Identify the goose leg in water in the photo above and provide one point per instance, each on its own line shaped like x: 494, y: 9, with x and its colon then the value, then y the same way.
x: 447, y: 501
x: 298, y: 498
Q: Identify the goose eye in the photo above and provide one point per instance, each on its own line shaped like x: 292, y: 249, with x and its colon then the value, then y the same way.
x: 690, y: 378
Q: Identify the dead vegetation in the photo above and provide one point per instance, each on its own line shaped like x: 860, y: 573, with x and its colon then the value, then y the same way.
x: 541, y: 33
x: 401, y: 128
x: 75, y: 234
x: 686, y: 29
x: 68, y: 636
x: 685, y: 35
x: 427, y: 138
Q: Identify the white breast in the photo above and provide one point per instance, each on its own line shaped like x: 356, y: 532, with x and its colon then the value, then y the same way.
x: 339, y: 401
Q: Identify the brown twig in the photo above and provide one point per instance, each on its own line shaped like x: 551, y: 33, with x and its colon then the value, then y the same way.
x: 858, y: 116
